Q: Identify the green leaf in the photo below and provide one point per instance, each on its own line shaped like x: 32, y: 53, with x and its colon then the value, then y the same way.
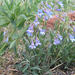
x: 4, y: 21
x: 1, y: 36
x: 21, y: 19
x: 3, y: 11
x: 15, y: 36
x: 12, y: 44
x: 25, y: 68
x: 34, y: 73
x: 7, y: 4
x: 23, y: 30
x: 3, y: 48
x: 35, y: 68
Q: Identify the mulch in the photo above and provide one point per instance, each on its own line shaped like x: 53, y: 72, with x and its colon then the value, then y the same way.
x: 52, y: 21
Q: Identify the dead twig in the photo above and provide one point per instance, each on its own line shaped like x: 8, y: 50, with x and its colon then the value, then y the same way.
x: 53, y: 68
x: 13, y: 70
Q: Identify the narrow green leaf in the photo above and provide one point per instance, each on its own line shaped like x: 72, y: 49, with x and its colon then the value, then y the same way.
x: 25, y: 68
x: 12, y: 44
x: 3, y: 48
x: 35, y: 68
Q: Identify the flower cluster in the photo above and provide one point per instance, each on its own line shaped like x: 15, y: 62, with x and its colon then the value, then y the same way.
x: 45, y: 12
x: 33, y: 30
x: 34, y: 45
x: 72, y: 37
x: 30, y: 30
x: 58, y: 39
x: 36, y: 22
x: 60, y: 3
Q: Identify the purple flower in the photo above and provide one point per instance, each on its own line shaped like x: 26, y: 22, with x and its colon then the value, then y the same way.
x: 36, y: 22
x: 32, y: 46
x: 59, y: 36
x: 49, y: 13
x: 56, y: 41
x: 48, y: 5
x: 40, y: 13
x: 72, y: 37
x: 30, y: 31
x: 42, y: 31
x: 4, y: 33
x: 73, y: 29
x: 39, y: 10
x: 6, y: 40
x: 46, y: 17
x: 37, y: 42
x: 52, y: 3
x: 61, y: 4
x: 42, y: 3
x: 58, y: 9
x: 63, y: 19
x: 36, y: 18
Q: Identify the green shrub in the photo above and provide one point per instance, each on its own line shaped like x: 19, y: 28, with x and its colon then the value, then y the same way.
x: 42, y: 49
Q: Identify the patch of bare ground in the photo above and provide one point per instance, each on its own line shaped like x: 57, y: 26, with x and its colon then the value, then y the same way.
x: 8, y: 62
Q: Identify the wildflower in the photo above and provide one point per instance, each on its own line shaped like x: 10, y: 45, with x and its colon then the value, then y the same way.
x: 59, y: 36
x: 4, y: 33
x: 36, y: 18
x: 73, y: 29
x: 48, y: 5
x: 32, y: 46
x: 72, y: 37
x: 36, y: 22
x: 6, y: 40
x: 49, y: 13
x: 42, y: 31
x: 40, y: 13
x: 30, y: 30
x: 37, y: 42
x: 52, y: 3
x: 56, y: 41
x: 45, y: 18
x: 42, y: 3
x: 61, y: 4
x: 58, y: 9
x: 63, y: 19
